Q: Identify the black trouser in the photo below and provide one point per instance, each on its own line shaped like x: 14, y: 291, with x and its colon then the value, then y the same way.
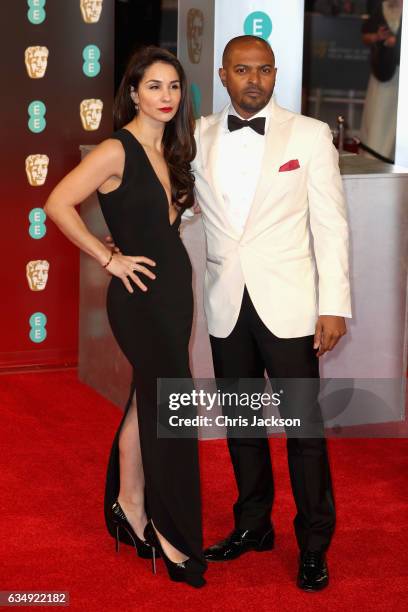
x: 247, y: 352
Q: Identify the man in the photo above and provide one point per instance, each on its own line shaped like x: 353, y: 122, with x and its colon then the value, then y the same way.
x: 261, y: 173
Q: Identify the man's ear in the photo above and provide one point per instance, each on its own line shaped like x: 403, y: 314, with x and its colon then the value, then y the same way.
x: 223, y: 76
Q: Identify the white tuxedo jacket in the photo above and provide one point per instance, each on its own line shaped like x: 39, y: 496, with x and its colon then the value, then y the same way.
x: 274, y: 255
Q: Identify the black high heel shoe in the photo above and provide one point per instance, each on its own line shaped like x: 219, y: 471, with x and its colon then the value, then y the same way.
x: 142, y: 548
x: 184, y: 571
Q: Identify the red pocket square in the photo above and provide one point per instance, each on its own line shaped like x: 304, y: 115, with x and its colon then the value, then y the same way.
x: 293, y: 164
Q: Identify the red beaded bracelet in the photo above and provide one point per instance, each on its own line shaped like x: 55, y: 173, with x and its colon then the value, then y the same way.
x: 108, y: 262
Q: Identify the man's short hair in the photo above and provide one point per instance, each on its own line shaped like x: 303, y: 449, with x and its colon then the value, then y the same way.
x: 244, y: 38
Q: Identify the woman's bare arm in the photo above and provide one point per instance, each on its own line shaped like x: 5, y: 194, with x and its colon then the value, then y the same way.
x: 102, y: 166
x: 95, y: 169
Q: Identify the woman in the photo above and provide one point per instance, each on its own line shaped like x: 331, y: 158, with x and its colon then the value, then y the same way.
x: 382, y: 32
x: 143, y: 179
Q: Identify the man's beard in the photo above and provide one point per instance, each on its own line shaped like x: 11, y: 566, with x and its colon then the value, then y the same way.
x: 254, y: 105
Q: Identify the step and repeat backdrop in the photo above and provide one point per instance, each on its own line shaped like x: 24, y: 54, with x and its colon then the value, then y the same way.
x: 57, y: 90
x: 205, y: 27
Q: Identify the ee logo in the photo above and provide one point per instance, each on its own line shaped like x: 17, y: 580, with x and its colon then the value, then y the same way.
x: 196, y: 96
x: 258, y: 24
x: 36, y: 112
x: 91, y: 55
x: 37, y: 227
x: 36, y: 12
x: 38, y: 321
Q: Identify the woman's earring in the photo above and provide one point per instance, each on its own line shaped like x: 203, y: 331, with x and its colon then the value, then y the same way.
x: 132, y: 89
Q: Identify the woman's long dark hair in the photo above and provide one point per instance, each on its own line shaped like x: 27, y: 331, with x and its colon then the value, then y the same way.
x: 179, y: 146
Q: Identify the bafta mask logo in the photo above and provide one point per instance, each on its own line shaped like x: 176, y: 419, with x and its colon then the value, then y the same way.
x: 320, y: 49
x: 195, y: 28
x: 36, y: 59
x: 91, y: 113
x: 91, y: 10
x: 37, y: 274
x: 36, y: 167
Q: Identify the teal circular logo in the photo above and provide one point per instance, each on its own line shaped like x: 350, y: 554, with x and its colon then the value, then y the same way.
x: 91, y: 56
x: 38, y: 334
x: 36, y: 112
x: 258, y: 24
x: 38, y: 319
x: 36, y: 12
x: 37, y: 322
x: 196, y: 96
x: 37, y: 215
x: 37, y: 229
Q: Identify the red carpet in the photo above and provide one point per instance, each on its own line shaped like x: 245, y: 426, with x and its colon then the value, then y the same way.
x: 56, y: 435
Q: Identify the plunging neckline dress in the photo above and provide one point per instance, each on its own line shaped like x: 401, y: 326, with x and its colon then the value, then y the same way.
x: 153, y: 330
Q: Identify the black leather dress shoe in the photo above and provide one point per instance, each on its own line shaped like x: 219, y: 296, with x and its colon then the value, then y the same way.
x: 313, y: 573
x: 239, y: 542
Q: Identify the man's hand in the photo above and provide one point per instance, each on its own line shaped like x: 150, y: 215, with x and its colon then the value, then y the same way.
x: 391, y: 41
x: 329, y: 330
x: 111, y: 245
x: 383, y: 33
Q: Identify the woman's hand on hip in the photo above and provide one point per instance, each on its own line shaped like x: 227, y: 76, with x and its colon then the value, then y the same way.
x: 126, y: 266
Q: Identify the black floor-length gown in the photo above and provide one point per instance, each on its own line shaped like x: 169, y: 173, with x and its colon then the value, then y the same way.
x: 153, y: 330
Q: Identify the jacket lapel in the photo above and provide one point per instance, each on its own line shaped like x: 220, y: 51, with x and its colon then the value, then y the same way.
x: 277, y: 138
x: 210, y: 141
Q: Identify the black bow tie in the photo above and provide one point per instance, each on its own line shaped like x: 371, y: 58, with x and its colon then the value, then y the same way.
x: 257, y: 124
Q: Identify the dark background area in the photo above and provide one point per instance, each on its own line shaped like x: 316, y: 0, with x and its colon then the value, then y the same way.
x: 139, y: 22
x: 335, y: 61
x: 143, y: 22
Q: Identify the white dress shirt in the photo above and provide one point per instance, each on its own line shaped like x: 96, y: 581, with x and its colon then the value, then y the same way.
x: 238, y: 168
